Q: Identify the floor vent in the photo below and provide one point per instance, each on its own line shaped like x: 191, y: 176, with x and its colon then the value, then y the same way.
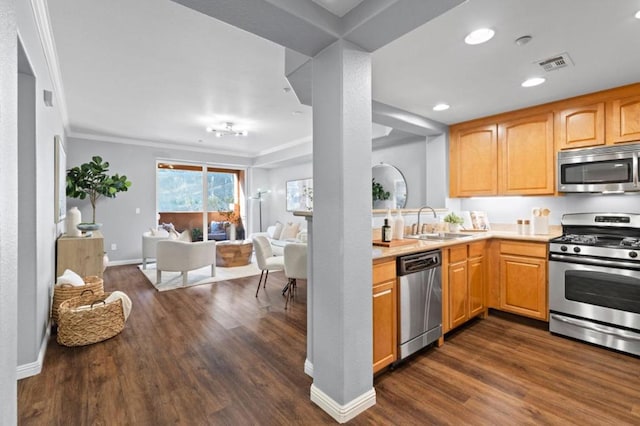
x: 555, y: 62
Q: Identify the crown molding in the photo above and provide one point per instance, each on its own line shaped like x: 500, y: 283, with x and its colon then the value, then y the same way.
x: 43, y: 24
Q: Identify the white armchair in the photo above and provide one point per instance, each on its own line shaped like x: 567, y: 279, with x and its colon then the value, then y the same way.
x: 182, y: 256
x: 149, y: 243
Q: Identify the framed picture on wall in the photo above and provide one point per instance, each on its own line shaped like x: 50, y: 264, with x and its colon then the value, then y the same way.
x: 299, y: 195
x: 60, y: 180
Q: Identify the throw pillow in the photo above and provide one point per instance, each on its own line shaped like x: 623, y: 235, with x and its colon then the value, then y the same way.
x: 153, y: 231
x: 277, y: 232
x: 185, y: 236
x: 70, y: 277
x: 290, y: 231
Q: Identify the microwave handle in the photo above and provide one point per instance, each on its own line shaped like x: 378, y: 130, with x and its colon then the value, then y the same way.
x: 635, y: 169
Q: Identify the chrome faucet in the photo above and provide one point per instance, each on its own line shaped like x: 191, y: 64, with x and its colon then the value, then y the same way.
x: 418, y: 231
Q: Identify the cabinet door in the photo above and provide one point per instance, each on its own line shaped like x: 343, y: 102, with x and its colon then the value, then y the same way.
x: 473, y: 159
x: 523, y: 286
x: 83, y: 255
x: 458, y: 294
x: 385, y: 339
x: 477, y: 280
x: 581, y: 126
x: 526, y: 155
x: 623, y: 120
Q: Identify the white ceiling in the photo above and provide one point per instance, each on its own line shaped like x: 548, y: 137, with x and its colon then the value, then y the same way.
x: 153, y: 70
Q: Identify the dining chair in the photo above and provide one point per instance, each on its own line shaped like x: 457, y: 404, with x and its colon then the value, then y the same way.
x: 295, y: 267
x: 265, y: 259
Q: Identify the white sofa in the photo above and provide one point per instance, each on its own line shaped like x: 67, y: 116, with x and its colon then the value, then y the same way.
x: 277, y: 244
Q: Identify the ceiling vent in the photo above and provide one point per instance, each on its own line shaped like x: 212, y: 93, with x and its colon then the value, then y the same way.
x: 555, y: 62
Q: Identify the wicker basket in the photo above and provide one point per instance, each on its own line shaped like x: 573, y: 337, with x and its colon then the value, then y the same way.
x: 101, y: 322
x: 67, y: 291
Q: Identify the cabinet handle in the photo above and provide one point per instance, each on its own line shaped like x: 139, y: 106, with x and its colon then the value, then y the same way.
x: 382, y: 293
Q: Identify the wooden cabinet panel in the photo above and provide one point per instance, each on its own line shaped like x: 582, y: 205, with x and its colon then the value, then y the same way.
x: 385, y: 314
x: 523, y: 286
x: 526, y: 156
x: 472, y: 167
x: 623, y: 120
x: 581, y: 126
x: 458, y: 294
x: 476, y: 276
x: 385, y: 337
x: 83, y: 255
x: 464, y: 290
x: 523, y: 248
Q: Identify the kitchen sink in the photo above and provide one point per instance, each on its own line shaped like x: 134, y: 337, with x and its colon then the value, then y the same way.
x: 440, y: 236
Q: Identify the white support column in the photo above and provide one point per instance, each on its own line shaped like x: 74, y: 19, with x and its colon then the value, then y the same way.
x: 342, y: 303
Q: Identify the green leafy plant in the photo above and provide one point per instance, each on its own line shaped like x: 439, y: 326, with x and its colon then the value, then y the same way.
x: 91, y: 180
x: 378, y: 192
x: 453, y: 219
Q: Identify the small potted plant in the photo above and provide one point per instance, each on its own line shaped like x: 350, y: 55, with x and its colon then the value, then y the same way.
x: 92, y: 180
x: 454, y: 221
x: 378, y: 193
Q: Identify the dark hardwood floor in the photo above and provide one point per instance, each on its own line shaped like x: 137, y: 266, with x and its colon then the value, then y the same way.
x: 215, y: 354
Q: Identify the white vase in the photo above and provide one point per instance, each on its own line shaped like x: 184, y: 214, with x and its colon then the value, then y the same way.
x: 454, y: 227
x: 232, y: 232
x: 71, y: 222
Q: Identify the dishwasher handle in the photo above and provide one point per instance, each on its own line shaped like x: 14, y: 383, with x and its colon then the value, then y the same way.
x: 418, y: 262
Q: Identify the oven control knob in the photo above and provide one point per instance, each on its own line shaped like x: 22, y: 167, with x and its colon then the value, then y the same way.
x: 633, y: 254
x: 576, y: 249
x: 563, y: 248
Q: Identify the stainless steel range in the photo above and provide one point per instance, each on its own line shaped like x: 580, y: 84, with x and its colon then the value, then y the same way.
x: 594, y: 280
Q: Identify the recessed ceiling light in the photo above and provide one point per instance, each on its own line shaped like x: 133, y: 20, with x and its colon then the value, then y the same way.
x: 441, y: 107
x: 536, y: 81
x: 479, y: 36
x: 637, y: 15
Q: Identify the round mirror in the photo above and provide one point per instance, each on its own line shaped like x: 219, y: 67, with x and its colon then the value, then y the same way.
x: 389, y: 188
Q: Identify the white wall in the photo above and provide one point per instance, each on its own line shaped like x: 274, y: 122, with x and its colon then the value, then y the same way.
x: 509, y: 209
x: 8, y: 213
x: 36, y: 167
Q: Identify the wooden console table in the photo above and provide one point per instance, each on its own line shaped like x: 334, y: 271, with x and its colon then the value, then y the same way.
x: 233, y: 253
x: 83, y: 255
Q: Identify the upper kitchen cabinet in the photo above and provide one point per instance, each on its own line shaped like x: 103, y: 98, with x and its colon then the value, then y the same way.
x: 623, y: 120
x: 473, y: 154
x: 580, y: 126
x: 526, y: 156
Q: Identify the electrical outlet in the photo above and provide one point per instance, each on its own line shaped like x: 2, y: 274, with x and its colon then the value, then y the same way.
x: 114, y: 246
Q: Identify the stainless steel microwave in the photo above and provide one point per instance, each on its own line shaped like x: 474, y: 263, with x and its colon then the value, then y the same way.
x: 611, y: 169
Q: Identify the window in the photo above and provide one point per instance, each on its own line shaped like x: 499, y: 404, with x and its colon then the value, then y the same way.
x: 222, y: 189
x: 179, y: 188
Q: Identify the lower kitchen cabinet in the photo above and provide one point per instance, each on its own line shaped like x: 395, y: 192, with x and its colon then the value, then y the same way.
x: 523, y: 278
x: 464, y: 283
x: 385, y: 314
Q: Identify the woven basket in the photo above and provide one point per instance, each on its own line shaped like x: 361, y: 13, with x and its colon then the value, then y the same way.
x: 100, y: 322
x: 67, y: 291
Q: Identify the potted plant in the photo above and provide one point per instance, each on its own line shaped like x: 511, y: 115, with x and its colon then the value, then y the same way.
x: 92, y: 180
x: 378, y: 193
x: 454, y: 221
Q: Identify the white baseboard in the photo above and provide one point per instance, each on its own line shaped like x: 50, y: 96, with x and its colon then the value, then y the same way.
x: 34, y: 368
x: 124, y: 262
x: 346, y: 412
x: 308, y: 367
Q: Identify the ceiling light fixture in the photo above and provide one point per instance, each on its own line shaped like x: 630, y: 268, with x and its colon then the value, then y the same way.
x: 535, y: 81
x: 227, y: 131
x: 479, y: 36
x: 637, y: 15
x: 441, y: 107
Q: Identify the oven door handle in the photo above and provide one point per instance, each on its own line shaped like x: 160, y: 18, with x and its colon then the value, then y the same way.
x: 583, y: 260
x: 597, y: 327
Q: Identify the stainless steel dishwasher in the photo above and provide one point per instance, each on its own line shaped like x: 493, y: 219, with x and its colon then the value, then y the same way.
x: 420, y: 310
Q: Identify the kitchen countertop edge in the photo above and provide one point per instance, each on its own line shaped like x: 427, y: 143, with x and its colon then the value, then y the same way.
x: 380, y: 252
